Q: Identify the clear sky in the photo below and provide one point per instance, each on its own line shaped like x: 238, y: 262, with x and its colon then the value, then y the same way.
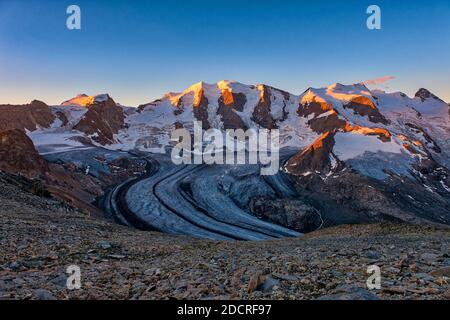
x: 138, y: 50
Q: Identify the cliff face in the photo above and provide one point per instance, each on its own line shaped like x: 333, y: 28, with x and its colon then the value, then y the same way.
x: 30, y: 116
x: 46, y: 234
x: 102, y: 121
x: 355, y: 147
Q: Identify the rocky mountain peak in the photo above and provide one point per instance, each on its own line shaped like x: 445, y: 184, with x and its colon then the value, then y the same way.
x: 39, y: 104
x: 103, y: 120
x: 83, y: 100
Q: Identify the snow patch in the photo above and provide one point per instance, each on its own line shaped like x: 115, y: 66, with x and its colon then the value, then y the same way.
x: 351, y: 145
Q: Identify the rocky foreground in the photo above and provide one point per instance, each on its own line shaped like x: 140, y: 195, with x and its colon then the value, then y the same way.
x: 40, y: 237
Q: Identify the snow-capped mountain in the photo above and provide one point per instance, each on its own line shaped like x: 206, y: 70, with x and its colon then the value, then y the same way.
x: 359, y: 120
x: 225, y: 105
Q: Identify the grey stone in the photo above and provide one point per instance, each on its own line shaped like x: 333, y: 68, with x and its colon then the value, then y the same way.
x: 60, y: 282
x: 372, y: 255
x: 285, y: 277
x: 424, y: 276
x: 32, y: 264
x: 346, y: 292
x: 268, y: 284
x: 105, y: 245
x: 429, y: 256
x: 15, y: 266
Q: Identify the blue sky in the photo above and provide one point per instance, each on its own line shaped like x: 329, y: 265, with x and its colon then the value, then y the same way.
x: 138, y: 50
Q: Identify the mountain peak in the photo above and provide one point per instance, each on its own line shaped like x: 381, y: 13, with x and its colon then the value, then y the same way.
x: 38, y: 103
x: 196, y: 87
x: 83, y: 100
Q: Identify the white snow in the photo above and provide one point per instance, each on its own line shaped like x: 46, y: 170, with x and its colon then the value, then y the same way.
x: 83, y: 100
x: 445, y: 186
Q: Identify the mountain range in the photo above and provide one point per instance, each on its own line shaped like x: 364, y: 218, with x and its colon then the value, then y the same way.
x: 361, y: 153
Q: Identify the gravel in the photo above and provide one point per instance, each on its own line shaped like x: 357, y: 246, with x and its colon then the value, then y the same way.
x: 40, y: 239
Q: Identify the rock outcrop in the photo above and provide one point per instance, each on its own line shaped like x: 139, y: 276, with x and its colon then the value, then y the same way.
x: 201, y: 109
x: 102, y: 121
x: 363, y: 106
x: 424, y: 94
x: 293, y: 214
x: 19, y: 156
x: 262, y: 112
x: 26, y: 117
x: 229, y: 103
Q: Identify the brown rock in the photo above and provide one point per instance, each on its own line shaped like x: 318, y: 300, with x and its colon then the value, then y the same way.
x: 442, y: 272
x: 102, y: 121
x: 255, y: 282
x: 424, y: 291
x: 446, y: 295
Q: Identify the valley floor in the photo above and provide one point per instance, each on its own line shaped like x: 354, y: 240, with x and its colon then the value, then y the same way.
x: 40, y: 238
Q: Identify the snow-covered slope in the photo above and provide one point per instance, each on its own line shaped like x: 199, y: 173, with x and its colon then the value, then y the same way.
x: 360, y: 120
x: 224, y: 105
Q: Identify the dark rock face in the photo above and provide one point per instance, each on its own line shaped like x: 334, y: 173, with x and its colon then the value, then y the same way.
x: 289, y: 213
x: 29, y: 116
x: 261, y: 113
x: 345, y: 292
x: 228, y: 103
x: 322, y: 124
x: 327, y: 124
x: 345, y: 196
x: 35, y: 187
x: 18, y: 155
x: 431, y: 144
x: 382, y: 134
x: 363, y: 106
x: 348, y: 199
x: 102, y: 121
x: 61, y: 116
x: 201, y: 109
